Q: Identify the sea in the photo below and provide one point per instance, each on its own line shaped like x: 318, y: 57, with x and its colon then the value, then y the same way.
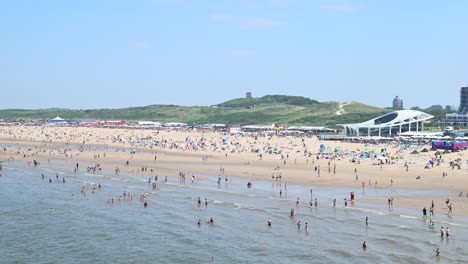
x: 55, y: 222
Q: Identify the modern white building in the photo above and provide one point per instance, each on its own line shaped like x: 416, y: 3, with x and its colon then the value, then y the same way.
x: 391, y: 124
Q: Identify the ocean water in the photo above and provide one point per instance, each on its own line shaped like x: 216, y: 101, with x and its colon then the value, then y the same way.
x: 42, y: 222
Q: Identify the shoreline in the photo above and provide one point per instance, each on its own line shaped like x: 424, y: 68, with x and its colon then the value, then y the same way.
x: 372, y: 204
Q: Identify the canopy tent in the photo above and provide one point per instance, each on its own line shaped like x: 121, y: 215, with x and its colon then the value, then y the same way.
x: 56, y: 120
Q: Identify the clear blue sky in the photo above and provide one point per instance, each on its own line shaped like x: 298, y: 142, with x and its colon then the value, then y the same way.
x: 118, y: 53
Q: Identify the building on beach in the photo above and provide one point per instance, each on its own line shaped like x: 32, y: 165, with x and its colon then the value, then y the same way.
x: 391, y: 124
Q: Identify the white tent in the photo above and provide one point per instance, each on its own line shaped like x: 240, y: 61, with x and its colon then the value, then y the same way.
x: 57, y: 120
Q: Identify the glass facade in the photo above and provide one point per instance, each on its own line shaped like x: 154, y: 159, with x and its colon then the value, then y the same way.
x: 385, y: 119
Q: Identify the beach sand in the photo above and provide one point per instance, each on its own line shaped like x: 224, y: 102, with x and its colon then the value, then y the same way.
x: 66, y: 146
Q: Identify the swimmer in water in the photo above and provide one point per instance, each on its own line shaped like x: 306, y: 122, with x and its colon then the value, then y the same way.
x: 367, y: 220
x: 306, y: 226
x: 364, y: 245
x: 269, y: 221
x: 211, y: 221
x: 437, y: 252
x: 199, y: 201
x: 145, y: 204
x: 299, y: 225
x: 199, y: 222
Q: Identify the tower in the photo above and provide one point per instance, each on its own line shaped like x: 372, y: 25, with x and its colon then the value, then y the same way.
x: 463, y: 101
x: 397, y: 103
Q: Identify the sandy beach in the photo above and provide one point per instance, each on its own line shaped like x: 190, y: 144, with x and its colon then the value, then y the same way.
x: 296, y: 159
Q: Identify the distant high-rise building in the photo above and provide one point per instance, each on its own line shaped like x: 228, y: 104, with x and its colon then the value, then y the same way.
x: 463, y: 101
x: 248, y: 95
x: 460, y: 119
x: 397, y: 103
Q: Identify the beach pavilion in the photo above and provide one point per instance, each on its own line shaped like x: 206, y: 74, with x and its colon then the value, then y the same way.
x: 57, y: 120
x: 390, y: 124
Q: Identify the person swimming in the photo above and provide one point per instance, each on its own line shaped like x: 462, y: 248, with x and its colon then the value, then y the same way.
x: 199, y: 201
x: 364, y: 245
x: 299, y: 224
x: 269, y: 221
x: 211, y: 221
x: 199, y: 222
x: 145, y: 204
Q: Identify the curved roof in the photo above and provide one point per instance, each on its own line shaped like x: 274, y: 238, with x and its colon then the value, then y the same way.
x: 395, y: 118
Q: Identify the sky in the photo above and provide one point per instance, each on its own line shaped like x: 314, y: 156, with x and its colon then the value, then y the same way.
x: 119, y: 53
